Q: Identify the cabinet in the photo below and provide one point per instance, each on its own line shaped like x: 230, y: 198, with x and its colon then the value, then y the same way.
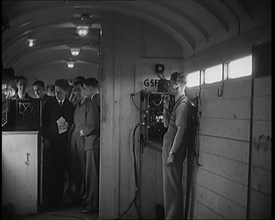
x: 20, y: 170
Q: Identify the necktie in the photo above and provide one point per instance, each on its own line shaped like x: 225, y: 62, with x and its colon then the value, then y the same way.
x: 60, y: 104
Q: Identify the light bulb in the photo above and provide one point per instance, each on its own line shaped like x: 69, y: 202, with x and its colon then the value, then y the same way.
x: 75, y: 51
x: 31, y: 42
x: 82, y: 30
x: 70, y: 64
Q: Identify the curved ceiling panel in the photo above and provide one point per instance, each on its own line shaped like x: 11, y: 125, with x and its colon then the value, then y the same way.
x: 194, y: 24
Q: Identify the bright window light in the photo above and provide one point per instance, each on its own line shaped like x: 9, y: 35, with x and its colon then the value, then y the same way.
x: 193, y: 79
x: 213, y: 74
x: 239, y: 68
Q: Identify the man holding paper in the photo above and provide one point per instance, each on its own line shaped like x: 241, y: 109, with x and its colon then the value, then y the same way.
x: 57, y: 118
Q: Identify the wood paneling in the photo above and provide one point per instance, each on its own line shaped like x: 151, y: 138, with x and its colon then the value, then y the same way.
x: 262, y: 108
x: 240, y: 89
x: 220, y: 184
x: 218, y: 204
x: 261, y: 144
x: 149, y: 182
x: 20, y: 171
x: 203, y: 212
x: 230, y: 149
x: 261, y: 189
x: 125, y: 125
x: 226, y: 128
x: 238, y: 108
x: 263, y: 86
x: 109, y: 154
x: 227, y: 168
x: 260, y: 205
x: 261, y: 180
x: 233, y: 191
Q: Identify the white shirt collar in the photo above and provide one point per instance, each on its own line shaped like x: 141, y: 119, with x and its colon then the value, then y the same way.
x: 61, y: 101
x: 94, y: 95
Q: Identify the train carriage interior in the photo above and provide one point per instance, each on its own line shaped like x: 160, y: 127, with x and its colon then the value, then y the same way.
x: 131, y: 47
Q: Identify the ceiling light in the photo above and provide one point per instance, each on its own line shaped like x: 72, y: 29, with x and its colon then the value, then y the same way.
x: 75, y: 51
x: 82, y: 30
x: 70, y: 64
x: 31, y: 42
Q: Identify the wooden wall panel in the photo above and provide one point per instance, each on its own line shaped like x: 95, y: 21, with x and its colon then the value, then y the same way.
x: 263, y: 86
x: 159, y: 184
x: 260, y: 205
x: 149, y: 182
x: 238, y: 108
x: 238, y: 89
x: 261, y: 147
x: 20, y: 171
x: 220, y: 184
x: 261, y: 180
x: 203, y: 212
x: 261, y: 188
x: 233, y: 170
x: 233, y: 191
x: 262, y: 108
x: 124, y: 129
x: 226, y: 128
x: 218, y: 204
x: 109, y: 164
x: 230, y: 149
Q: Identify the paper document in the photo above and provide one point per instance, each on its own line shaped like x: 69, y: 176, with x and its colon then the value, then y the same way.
x: 59, y: 122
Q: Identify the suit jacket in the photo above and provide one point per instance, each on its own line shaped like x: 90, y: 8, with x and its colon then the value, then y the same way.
x: 51, y: 113
x: 45, y: 98
x: 91, y: 129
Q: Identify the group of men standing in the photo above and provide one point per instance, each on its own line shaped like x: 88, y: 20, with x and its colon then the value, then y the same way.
x: 70, y: 139
x: 71, y: 134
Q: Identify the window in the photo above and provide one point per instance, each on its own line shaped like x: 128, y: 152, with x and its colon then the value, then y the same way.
x: 239, y: 68
x: 213, y: 74
x: 193, y: 79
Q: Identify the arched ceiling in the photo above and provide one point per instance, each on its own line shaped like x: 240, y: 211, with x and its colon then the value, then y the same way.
x: 194, y: 24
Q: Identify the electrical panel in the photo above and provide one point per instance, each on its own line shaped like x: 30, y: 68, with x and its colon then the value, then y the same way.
x: 152, y: 129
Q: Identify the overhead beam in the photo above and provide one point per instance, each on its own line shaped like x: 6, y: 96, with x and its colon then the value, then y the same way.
x: 216, y: 15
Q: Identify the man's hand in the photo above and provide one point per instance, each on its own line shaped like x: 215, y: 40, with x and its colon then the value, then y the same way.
x: 45, y: 143
x: 166, y: 100
x: 170, y: 159
x: 81, y: 132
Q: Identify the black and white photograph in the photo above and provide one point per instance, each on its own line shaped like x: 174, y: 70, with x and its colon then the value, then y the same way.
x: 136, y: 109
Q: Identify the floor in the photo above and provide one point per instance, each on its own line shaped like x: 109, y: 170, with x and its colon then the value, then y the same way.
x: 68, y: 212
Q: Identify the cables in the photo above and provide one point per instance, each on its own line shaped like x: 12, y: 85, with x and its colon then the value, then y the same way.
x: 132, y: 97
x: 134, y: 201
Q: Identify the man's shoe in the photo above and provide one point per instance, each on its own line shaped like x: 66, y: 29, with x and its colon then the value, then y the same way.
x: 85, y: 210
x: 84, y: 196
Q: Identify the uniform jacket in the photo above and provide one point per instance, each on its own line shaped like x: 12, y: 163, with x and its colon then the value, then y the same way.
x: 91, y: 129
x: 179, y: 117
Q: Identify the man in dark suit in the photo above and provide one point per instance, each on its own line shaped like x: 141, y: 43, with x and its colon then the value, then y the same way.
x: 39, y: 91
x: 21, y: 83
x: 91, y: 133
x: 56, y: 120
